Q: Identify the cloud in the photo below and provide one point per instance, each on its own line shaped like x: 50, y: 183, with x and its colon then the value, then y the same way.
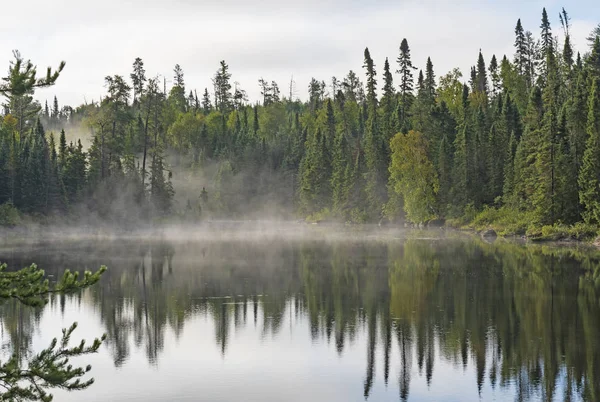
x: 270, y: 39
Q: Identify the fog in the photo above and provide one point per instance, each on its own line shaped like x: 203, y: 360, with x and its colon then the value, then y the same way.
x: 215, y: 231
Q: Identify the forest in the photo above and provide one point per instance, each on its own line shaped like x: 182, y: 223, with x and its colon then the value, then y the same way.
x: 515, y: 144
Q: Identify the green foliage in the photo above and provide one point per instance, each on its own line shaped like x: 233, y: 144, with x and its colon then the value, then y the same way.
x: 22, y: 77
x: 515, y: 137
x: 51, y: 367
x: 9, y: 215
x: 589, y: 175
x: 413, y: 176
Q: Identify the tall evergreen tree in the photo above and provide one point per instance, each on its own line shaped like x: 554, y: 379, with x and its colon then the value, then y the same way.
x: 548, y: 157
x: 388, y: 104
x: 482, y: 81
x: 589, y: 175
x: 206, y: 105
x: 520, y: 48
x: 406, y: 85
x: 373, y: 144
x: 138, y: 78
x: 495, y: 76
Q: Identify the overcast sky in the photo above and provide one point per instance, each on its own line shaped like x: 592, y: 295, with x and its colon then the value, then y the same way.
x: 271, y: 39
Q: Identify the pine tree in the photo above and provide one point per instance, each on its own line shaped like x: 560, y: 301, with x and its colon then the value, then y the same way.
x: 138, y: 78
x: 35, y: 376
x: 589, y: 175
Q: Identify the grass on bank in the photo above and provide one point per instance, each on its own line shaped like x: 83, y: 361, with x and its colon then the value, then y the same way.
x: 509, y: 222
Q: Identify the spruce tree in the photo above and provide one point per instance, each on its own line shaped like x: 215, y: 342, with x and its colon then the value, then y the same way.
x: 406, y: 85
x: 373, y: 144
x: 495, y: 76
x: 430, y: 86
x: 593, y: 61
x: 206, y: 105
x: 62, y: 150
x: 55, y: 110
x: 589, y: 175
x: 482, y: 81
x: 546, y: 46
x: 525, y: 178
x: 548, y: 151
x: 388, y: 105
x: 520, y: 48
x: 508, y: 186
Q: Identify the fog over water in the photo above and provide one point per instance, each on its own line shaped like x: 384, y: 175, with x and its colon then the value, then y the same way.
x: 270, y: 311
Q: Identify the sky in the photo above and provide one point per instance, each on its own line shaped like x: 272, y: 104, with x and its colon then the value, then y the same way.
x: 271, y: 39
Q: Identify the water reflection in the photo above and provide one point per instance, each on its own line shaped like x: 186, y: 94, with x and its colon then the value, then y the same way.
x: 523, y: 319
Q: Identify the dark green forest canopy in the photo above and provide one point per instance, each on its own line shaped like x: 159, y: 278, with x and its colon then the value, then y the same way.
x: 518, y: 133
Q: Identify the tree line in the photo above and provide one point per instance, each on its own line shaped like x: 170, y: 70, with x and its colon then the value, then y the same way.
x: 521, y: 134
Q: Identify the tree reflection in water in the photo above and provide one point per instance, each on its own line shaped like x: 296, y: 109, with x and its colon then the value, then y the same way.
x: 526, y: 316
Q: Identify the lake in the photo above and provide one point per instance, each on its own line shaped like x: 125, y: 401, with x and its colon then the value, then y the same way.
x: 240, y: 312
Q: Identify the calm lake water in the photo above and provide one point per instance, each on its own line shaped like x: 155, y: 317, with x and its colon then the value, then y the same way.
x: 301, y: 313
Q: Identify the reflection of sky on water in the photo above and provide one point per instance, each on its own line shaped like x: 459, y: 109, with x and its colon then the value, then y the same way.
x: 287, y: 366
x: 182, y: 326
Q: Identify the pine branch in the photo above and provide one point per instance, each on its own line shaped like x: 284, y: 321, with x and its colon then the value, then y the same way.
x: 30, y: 287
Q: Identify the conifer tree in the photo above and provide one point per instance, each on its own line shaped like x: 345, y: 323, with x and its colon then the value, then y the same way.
x: 221, y: 82
x: 508, y: 186
x: 525, y: 157
x: 138, y: 78
x: 546, y: 46
x: 577, y: 120
x: 62, y: 150
x: 206, y: 105
x: 593, y: 61
x: 589, y: 175
x: 520, y: 48
x: 388, y: 104
x: 74, y: 173
x: 406, y: 85
x: 482, y: 81
x: 495, y: 76
x: 373, y: 145
x: 430, y: 86
x: 55, y: 110
x: 547, y: 153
